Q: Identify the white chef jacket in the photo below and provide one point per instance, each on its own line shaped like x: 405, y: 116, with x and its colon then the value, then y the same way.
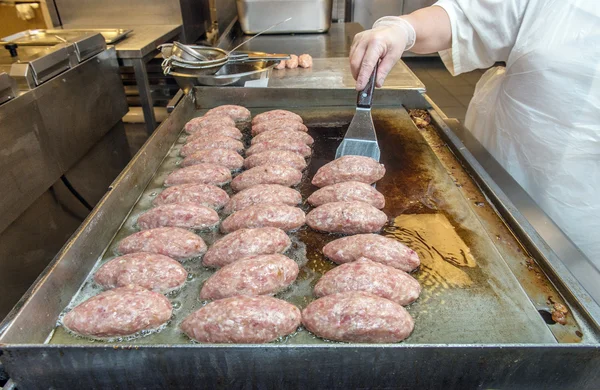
x: 540, y: 116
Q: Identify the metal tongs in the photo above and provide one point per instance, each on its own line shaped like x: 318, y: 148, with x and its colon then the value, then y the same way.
x: 361, y: 139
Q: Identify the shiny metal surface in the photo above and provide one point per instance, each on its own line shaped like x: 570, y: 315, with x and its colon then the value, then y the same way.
x: 8, y: 88
x: 231, y: 74
x: 561, y: 258
x: 308, y: 16
x: 51, y: 37
x: 192, y: 15
x: 335, y: 43
x: 40, y: 137
x: 334, y: 73
x: 360, y: 138
x: 536, y: 360
x: 35, y: 65
x: 143, y: 40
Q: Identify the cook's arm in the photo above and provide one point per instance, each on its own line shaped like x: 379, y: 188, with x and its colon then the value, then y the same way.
x: 427, y: 30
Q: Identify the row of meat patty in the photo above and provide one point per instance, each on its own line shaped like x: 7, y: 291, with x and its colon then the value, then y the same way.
x: 360, y: 300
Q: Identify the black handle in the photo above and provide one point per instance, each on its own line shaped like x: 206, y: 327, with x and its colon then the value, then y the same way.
x: 365, y: 97
x: 12, y: 48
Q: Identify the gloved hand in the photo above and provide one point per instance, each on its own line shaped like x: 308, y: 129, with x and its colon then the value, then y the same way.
x: 388, y: 39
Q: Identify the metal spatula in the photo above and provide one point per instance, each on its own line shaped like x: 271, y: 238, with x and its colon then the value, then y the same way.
x: 360, y: 139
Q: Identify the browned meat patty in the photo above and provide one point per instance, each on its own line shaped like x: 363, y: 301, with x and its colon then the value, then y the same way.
x: 349, y: 168
x: 212, y: 142
x: 237, y: 113
x: 148, y: 270
x: 246, y: 243
x: 242, y: 319
x: 276, y: 114
x: 349, y: 191
x: 346, y: 218
x: 359, y: 317
x: 278, y: 124
x: 282, y: 134
x: 305, y: 61
x: 202, y: 194
x: 225, y: 157
x: 280, y: 216
x: 176, y: 243
x: 378, y: 248
x: 199, y: 123
x: 263, y: 193
x: 292, y: 63
x: 200, y: 174
x: 184, y: 215
x: 276, y: 157
x: 214, y: 130
x: 122, y: 311
x: 257, y: 275
x: 375, y: 278
x: 267, y: 174
x: 293, y: 146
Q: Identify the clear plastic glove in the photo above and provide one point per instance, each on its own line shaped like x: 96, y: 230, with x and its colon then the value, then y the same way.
x: 388, y: 39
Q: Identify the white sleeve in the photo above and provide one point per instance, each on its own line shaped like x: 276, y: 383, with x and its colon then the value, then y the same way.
x: 483, y: 32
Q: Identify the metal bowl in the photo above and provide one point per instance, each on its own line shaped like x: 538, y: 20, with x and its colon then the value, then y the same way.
x: 231, y: 74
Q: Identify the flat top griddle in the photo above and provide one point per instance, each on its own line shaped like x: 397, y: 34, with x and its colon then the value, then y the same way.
x: 469, y: 296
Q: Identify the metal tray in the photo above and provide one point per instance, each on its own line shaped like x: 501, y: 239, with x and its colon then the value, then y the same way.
x: 49, y: 37
x: 477, y: 321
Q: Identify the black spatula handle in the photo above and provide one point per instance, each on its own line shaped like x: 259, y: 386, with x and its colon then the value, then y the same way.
x: 365, y: 97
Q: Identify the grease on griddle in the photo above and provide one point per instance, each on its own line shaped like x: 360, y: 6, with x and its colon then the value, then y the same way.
x: 442, y: 251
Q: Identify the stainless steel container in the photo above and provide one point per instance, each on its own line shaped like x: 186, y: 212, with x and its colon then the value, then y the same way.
x: 308, y: 16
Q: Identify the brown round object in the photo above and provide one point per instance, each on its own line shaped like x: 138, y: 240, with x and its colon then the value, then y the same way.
x: 280, y: 216
x: 346, y: 218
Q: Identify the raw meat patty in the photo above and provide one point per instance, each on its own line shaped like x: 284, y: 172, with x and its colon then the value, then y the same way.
x: 176, y: 243
x: 148, y: 270
x: 218, y: 129
x: 267, y: 174
x: 202, y: 194
x: 280, y: 216
x: 246, y: 243
x: 305, y: 61
x: 200, y: 174
x: 276, y: 114
x: 242, y: 319
x: 292, y: 63
x: 257, y: 275
x: 280, y: 65
x: 237, y: 113
x: 357, y: 316
x: 263, y: 193
x: 346, y: 218
x: 283, y: 134
x: 348, y: 191
x: 276, y: 157
x: 225, y: 157
x: 375, y: 278
x: 122, y: 311
x: 212, y: 142
x: 349, y: 168
x: 184, y: 215
x: 293, y: 146
x: 207, y: 121
x: 278, y: 124
x: 378, y: 248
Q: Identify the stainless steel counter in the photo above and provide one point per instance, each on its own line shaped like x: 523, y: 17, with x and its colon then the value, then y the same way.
x: 335, y: 43
x: 144, y: 39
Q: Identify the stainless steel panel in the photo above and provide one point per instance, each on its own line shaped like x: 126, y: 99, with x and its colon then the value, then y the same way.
x: 51, y: 37
x: 308, y: 16
x: 366, y: 12
x: 336, y: 43
x: 45, y: 131
x: 143, y: 41
x: 8, y: 88
x: 192, y: 14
